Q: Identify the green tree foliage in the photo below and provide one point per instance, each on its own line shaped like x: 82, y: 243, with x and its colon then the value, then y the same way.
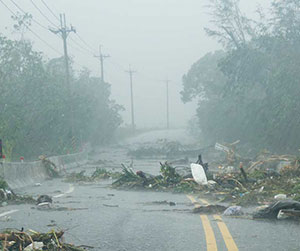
x: 34, y: 104
x: 257, y: 98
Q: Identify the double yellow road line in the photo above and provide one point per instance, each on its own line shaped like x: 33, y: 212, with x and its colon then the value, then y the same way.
x: 211, y: 244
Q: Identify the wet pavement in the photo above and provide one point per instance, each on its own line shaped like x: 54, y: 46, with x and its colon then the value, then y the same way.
x: 108, y: 219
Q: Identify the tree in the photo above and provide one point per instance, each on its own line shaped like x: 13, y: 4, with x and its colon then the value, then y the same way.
x: 258, y: 103
x: 232, y: 29
x: 34, y: 107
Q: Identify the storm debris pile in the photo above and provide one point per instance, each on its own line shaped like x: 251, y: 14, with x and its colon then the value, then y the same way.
x: 97, y: 175
x: 31, y: 240
x: 7, y: 195
x: 209, y: 209
x: 164, y: 148
x: 278, y: 209
x: 237, y: 181
x: 168, y: 180
x: 50, y: 167
x: 260, y: 182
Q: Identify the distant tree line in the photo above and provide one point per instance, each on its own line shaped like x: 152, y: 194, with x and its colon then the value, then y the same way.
x: 250, y: 91
x: 35, y: 108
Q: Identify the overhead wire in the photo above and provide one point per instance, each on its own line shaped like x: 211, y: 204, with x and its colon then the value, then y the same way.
x: 81, y: 47
x: 33, y: 32
x: 51, y: 22
x: 82, y: 40
x: 33, y: 19
x: 89, y: 50
x: 50, y: 10
x: 39, y: 10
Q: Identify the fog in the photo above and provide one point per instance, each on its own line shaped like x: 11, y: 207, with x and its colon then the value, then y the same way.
x: 160, y: 39
x: 75, y: 169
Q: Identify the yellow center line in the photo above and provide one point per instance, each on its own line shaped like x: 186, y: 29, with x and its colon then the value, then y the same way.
x: 211, y: 244
x: 209, y: 234
x: 205, y: 202
x: 192, y: 199
x: 229, y: 242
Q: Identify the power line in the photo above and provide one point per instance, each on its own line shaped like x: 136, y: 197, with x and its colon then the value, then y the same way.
x: 34, y: 33
x: 39, y: 10
x: 82, y: 40
x: 90, y: 49
x: 80, y: 46
x: 55, y: 24
x: 50, y: 10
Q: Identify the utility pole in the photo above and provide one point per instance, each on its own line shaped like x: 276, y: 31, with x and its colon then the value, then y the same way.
x: 64, y: 31
x: 131, y: 72
x: 101, y: 58
x: 167, y: 96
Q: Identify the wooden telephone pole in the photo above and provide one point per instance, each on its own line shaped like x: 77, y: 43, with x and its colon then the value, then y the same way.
x: 64, y: 31
x: 101, y: 58
x: 131, y: 72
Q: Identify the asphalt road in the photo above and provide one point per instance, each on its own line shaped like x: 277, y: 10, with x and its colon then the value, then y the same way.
x: 107, y: 219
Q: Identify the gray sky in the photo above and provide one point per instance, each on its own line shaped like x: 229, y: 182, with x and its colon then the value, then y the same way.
x: 159, y: 38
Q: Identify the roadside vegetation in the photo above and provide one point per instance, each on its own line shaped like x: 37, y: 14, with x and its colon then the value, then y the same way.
x: 249, y: 91
x: 35, y: 107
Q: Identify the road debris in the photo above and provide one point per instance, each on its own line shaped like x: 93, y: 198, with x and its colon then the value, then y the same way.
x: 43, y: 199
x: 209, y: 209
x: 107, y: 205
x: 162, y: 202
x: 7, y: 196
x: 239, y: 181
x: 98, y: 175
x: 288, y: 214
x: 233, y: 211
x: 198, y: 173
x: 164, y: 148
x: 31, y: 240
x: 273, y: 210
x: 168, y: 180
x: 280, y: 197
x: 51, y: 168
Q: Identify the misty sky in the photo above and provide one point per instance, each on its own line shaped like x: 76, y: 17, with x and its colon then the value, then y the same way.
x: 159, y: 38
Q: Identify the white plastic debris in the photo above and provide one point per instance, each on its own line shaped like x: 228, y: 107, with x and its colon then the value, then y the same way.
x: 37, y: 184
x: 211, y: 183
x: 261, y: 189
x: 37, y: 246
x: 199, y: 174
x: 222, y: 148
x: 280, y: 197
x: 44, y: 206
x: 282, y: 216
x: 233, y: 211
x: 230, y: 169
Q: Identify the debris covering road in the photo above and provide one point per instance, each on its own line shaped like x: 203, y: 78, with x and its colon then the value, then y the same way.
x: 113, y: 219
